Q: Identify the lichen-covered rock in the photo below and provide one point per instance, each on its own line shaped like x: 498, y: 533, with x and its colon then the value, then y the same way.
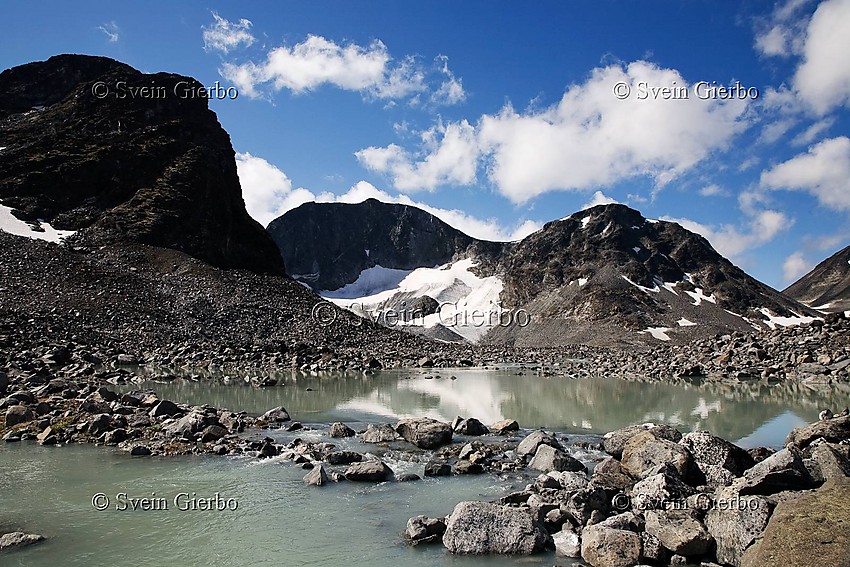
x: 615, y: 441
x: 529, y: 445
x: 480, y: 528
x: 734, y: 522
x: 644, y: 451
x: 678, y: 531
x: 548, y: 459
x: 602, y: 546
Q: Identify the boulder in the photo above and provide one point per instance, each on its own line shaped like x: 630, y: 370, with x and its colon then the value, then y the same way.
x: 339, y: 430
x: 528, y: 446
x: 504, y: 427
x: 213, y: 433
x: 548, y: 458
x: 581, y: 505
x: 18, y: 414
x: 678, y: 531
x: 660, y: 491
x: 602, y: 546
x: 275, y: 415
x: 165, y: 408
x: 343, y: 457
x: 424, y: 432
x: 569, y: 480
x: 834, y: 430
x: 828, y: 463
x: 644, y: 451
x: 468, y: 467
x: 734, y: 522
x: 383, y: 433
x: 812, y: 529
x: 784, y: 470
x: 316, y: 477
x: 187, y: 426
x: 436, y: 468
x: 471, y: 426
x: 614, y: 442
x: 708, y: 449
x: 369, y: 471
x: 18, y: 539
x: 480, y: 528
x: 567, y: 543
x: 140, y: 451
x: 422, y: 529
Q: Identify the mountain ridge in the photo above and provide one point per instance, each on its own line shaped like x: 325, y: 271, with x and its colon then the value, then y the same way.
x: 827, y: 286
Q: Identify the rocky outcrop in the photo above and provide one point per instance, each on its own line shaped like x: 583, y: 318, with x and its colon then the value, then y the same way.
x: 602, y: 546
x: 154, y: 167
x: 480, y: 528
x: 369, y: 471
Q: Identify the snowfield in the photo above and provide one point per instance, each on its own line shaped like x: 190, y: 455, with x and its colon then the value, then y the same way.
x: 9, y: 223
x: 468, y: 304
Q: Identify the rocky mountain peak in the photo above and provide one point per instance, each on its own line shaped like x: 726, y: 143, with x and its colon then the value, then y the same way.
x: 827, y: 286
x: 95, y: 146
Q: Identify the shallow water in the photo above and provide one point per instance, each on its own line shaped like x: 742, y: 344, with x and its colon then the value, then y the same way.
x: 279, y: 521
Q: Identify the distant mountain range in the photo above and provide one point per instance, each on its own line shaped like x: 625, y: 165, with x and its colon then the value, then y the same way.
x: 605, y: 275
x: 827, y: 286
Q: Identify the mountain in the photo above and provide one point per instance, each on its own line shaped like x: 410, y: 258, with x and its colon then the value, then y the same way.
x: 93, y: 146
x: 328, y: 245
x: 605, y: 275
x: 827, y: 286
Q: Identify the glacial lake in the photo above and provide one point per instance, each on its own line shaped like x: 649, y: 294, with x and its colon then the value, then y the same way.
x: 279, y: 521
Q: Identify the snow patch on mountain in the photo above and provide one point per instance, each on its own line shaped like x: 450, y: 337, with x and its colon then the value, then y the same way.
x: 13, y: 225
x: 659, y: 333
x: 467, y: 304
x: 774, y: 320
x: 698, y: 296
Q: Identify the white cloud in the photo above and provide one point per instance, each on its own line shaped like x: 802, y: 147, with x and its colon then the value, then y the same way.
x: 732, y: 241
x: 451, y: 90
x: 795, y: 266
x: 782, y: 34
x: 224, y: 35
x: 776, y: 130
x: 589, y: 139
x: 812, y: 132
x: 451, y: 159
x: 318, y: 61
x: 599, y: 198
x: 111, y: 30
x: 713, y: 190
x: 823, y: 78
x: 268, y: 193
x: 823, y: 171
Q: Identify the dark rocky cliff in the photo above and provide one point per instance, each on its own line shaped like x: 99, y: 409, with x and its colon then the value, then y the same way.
x: 327, y: 245
x: 155, y: 168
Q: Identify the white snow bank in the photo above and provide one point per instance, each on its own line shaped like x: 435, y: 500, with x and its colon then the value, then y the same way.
x: 774, y: 320
x: 685, y: 323
x: 659, y: 333
x: 468, y: 304
x: 9, y: 223
x: 698, y: 296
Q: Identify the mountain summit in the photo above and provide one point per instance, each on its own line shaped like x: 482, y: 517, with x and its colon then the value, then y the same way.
x: 604, y: 275
x: 92, y: 145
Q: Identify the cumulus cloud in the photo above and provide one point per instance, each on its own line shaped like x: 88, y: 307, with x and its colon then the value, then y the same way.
x: 111, y: 30
x: 451, y: 153
x: 823, y: 78
x: 319, y: 61
x: 589, y: 139
x: 794, y: 266
x: 268, y: 193
x: 223, y: 35
x: 823, y: 171
x: 713, y: 190
x: 811, y: 133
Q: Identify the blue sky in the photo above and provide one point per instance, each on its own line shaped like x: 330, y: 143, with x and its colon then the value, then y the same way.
x: 500, y: 116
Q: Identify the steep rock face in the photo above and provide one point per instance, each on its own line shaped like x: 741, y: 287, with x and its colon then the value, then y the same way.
x: 153, y: 167
x: 827, y: 286
x: 328, y: 245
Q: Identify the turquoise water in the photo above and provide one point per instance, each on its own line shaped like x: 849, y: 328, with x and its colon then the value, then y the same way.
x: 279, y: 521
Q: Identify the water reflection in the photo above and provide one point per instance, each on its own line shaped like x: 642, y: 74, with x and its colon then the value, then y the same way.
x: 748, y: 412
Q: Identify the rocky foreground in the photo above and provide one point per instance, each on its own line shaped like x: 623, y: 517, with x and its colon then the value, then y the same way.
x: 660, y: 497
